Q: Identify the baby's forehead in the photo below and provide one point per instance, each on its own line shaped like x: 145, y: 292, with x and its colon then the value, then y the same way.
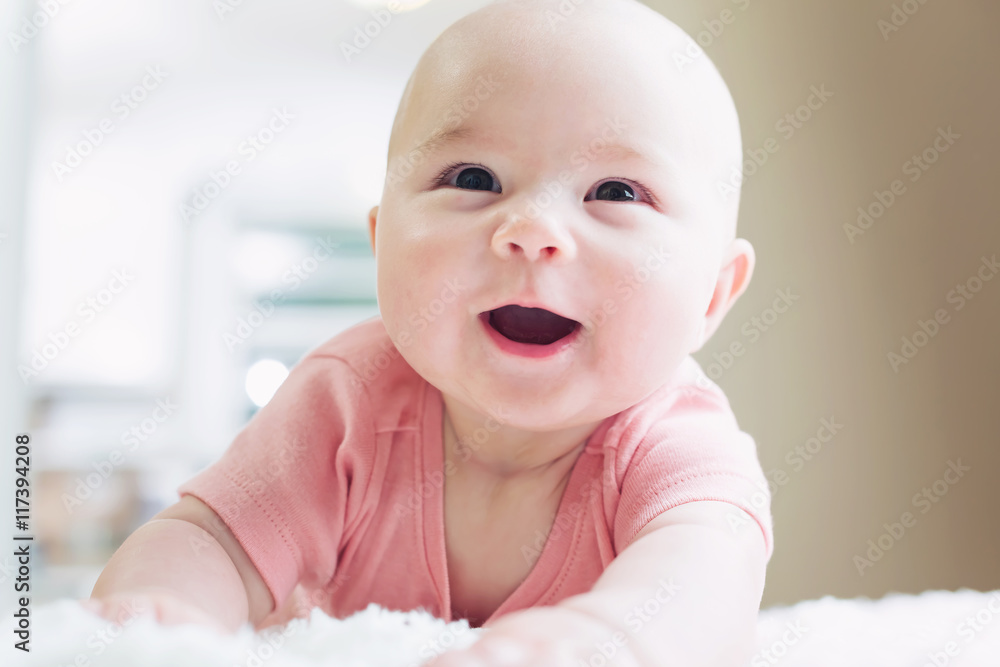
x: 517, y: 37
x: 531, y: 55
x: 514, y: 106
x: 511, y: 67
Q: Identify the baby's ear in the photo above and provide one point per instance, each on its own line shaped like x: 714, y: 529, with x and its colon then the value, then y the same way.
x: 372, y: 216
x: 734, y: 277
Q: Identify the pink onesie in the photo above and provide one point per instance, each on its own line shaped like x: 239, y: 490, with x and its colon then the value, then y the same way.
x: 334, y: 488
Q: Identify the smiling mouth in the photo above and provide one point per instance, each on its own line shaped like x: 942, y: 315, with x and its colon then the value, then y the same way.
x: 533, y: 326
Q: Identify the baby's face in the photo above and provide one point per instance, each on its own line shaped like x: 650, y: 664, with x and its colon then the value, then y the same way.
x: 584, y: 186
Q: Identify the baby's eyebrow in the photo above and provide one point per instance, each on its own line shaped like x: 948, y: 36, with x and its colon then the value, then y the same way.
x: 442, y: 136
x: 625, y: 152
x: 606, y: 150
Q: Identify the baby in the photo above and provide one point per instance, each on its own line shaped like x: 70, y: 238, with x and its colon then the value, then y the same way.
x: 522, y: 438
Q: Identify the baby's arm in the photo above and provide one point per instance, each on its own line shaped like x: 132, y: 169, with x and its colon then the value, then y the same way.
x: 711, y: 619
x: 188, y: 565
x: 686, y: 592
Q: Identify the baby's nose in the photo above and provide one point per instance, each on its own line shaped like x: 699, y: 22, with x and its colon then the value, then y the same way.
x: 533, y: 237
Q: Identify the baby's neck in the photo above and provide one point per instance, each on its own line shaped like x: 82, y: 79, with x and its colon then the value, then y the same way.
x: 507, y: 454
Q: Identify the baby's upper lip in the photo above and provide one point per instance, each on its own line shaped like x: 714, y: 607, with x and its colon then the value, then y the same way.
x: 528, y: 302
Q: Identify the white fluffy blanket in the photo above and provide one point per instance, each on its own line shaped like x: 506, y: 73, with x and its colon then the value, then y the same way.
x: 935, y: 628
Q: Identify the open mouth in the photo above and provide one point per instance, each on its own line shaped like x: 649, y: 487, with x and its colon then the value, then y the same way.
x: 533, y: 326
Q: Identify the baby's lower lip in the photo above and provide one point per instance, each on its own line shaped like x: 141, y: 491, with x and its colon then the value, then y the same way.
x: 526, y: 349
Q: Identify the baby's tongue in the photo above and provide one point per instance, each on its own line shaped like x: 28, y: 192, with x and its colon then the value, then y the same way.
x: 535, y: 326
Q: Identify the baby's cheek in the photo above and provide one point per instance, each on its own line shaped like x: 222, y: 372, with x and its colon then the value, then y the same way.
x: 403, y: 293
x: 651, y: 335
x: 659, y: 315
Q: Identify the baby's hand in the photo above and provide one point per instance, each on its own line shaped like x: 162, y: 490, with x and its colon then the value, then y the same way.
x: 542, y: 637
x: 165, y: 608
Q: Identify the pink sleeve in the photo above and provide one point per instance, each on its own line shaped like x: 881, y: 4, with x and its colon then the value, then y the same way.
x: 284, y: 484
x: 696, y: 453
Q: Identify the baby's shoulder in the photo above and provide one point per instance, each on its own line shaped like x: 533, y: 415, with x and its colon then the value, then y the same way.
x: 354, y: 343
x: 689, y: 392
x: 367, y: 357
x: 687, y: 405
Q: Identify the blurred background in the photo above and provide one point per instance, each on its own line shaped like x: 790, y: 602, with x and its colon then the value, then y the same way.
x: 183, y: 196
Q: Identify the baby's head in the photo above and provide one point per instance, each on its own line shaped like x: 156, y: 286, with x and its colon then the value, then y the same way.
x: 553, y: 155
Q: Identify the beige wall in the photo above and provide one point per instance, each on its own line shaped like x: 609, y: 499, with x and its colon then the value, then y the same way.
x: 827, y: 355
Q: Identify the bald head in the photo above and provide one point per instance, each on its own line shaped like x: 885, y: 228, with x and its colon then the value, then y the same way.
x: 578, y: 57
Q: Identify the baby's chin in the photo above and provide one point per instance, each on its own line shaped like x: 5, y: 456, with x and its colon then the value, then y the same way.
x: 529, y: 416
x: 538, y: 406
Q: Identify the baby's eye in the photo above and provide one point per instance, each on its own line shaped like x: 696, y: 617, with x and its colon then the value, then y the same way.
x: 619, y: 191
x: 474, y: 178
x: 470, y: 178
x: 614, y: 191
